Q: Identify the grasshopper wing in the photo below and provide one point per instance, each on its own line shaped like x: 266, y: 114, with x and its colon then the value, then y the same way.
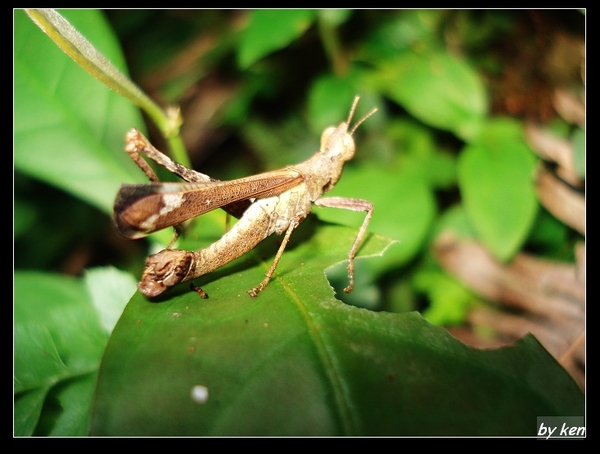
x: 141, y: 209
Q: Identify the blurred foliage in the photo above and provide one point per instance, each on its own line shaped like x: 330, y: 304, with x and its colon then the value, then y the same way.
x: 256, y: 89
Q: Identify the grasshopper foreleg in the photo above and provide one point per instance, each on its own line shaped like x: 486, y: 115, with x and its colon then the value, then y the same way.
x: 353, y: 205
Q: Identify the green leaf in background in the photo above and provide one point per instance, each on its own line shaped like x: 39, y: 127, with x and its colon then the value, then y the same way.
x: 496, y: 182
x: 271, y: 30
x: 329, y: 102
x: 398, y: 33
x: 110, y: 289
x: 415, y: 148
x: 437, y: 88
x: 403, y: 206
x: 449, y: 300
x: 330, y: 99
x: 58, y: 346
x: 68, y: 127
x: 295, y: 361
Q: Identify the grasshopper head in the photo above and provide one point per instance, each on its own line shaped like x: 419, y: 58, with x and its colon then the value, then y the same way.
x: 338, y: 141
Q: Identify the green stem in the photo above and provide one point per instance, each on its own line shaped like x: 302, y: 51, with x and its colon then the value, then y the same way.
x: 331, y: 43
x: 76, y: 46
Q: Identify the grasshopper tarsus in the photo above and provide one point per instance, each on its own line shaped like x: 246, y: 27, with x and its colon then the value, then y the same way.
x: 253, y: 292
x: 350, y: 269
x: 199, y: 291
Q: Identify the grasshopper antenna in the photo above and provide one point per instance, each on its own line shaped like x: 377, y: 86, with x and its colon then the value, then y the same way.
x: 359, y: 122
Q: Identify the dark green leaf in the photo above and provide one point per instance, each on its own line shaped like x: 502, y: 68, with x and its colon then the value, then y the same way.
x: 295, y: 361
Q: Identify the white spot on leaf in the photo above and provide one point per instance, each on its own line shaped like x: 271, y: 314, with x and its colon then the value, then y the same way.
x: 199, y: 394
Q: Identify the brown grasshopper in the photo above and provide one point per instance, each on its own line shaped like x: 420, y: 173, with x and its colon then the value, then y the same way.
x: 270, y: 202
